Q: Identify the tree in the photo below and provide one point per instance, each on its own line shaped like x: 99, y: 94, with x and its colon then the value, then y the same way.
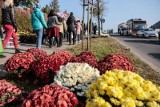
x: 26, y: 3
x: 55, y: 5
x: 46, y: 9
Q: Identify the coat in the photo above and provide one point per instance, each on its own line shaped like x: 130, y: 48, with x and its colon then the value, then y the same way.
x: 37, y: 19
x: 71, y: 23
x: 8, y: 16
x: 78, y: 28
x: 62, y: 27
x: 52, y: 21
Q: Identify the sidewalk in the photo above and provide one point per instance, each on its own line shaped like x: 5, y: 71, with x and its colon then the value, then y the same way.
x: 23, y: 47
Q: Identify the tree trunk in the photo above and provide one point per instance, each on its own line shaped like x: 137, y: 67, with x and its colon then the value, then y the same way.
x: 98, y: 18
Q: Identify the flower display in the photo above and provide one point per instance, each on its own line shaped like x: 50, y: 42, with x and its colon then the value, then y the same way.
x: 37, y: 53
x: 115, y: 61
x: 46, y: 67
x: 86, y: 57
x: 51, y: 96
x: 76, y: 77
x: 19, y: 63
x: 8, y: 92
x: 124, y: 89
x: 65, y: 55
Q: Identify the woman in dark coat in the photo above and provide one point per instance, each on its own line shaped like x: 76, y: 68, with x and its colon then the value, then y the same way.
x: 71, y: 28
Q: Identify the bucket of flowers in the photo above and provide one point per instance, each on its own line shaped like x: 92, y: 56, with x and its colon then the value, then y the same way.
x: 19, y: 63
x: 51, y: 96
x: 118, y: 88
x: 115, y: 61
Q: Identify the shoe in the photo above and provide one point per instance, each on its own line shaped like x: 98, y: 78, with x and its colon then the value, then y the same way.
x: 2, y: 56
x: 17, y: 51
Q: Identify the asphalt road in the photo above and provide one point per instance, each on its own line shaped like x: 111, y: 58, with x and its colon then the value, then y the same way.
x: 147, y: 49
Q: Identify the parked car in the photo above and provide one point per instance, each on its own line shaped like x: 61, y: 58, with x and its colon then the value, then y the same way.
x: 147, y: 32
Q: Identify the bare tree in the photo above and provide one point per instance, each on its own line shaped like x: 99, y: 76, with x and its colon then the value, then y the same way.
x: 55, y: 5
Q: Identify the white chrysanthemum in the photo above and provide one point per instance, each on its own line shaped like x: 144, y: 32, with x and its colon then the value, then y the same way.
x: 76, y: 77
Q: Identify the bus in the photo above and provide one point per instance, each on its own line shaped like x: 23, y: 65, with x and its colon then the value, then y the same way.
x: 134, y: 25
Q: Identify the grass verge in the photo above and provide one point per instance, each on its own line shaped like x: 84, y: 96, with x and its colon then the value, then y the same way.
x: 104, y: 46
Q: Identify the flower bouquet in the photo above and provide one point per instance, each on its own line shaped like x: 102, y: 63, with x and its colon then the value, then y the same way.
x: 45, y: 68
x: 37, y: 53
x: 51, y: 96
x: 65, y: 55
x: 76, y: 77
x: 19, y: 63
x: 115, y: 61
x: 86, y: 57
x: 118, y: 88
x: 8, y: 92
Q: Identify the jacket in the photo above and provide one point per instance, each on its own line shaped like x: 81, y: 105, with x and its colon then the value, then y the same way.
x: 78, y: 28
x: 62, y: 27
x: 8, y: 16
x: 52, y: 21
x: 37, y: 19
x: 71, y: 23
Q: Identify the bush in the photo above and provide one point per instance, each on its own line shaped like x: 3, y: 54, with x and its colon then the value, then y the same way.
x: 115, y: 61
x: 119, y: 88
x: 51, y: 96
x: 19, y: 63
x: 8, y: 92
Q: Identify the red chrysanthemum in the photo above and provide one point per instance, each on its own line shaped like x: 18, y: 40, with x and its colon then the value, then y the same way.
x: 65, y: 55
x: 115, y: 61
x: 37, y: 53
x: 8, y: 92
x: 19, y: 63
x: 86, y: 57
x: 51, y: 96
x: 45, y: 68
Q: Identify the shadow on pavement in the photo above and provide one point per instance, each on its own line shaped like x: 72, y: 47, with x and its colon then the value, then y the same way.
x: 2, y: 71
x: 155, y: 42
x: 155, y: 55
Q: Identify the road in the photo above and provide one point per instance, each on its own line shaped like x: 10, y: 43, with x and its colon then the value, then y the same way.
x: 147, y: 49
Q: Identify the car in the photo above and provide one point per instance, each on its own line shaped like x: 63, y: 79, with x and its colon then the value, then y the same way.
x: 147, y: 32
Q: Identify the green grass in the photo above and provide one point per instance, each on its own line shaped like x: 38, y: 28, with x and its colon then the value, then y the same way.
x: 104, y: 46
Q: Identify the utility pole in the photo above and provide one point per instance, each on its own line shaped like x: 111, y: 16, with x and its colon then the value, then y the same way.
x: 98, y: 18
x: 88, y: 25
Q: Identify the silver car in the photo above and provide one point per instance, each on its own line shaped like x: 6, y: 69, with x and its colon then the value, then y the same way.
x: 147, y: 32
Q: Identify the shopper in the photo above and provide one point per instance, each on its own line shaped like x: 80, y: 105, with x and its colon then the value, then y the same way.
x: 78, y: 30
x: 9, y: 24
x: 53, y: 30
x: 71, y: 28
x: 38, y: 23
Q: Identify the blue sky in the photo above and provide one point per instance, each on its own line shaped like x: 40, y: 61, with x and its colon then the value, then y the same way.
x: 117, y: 11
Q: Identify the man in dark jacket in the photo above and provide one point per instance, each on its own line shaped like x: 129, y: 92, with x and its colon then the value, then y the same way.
x: 71, y: 28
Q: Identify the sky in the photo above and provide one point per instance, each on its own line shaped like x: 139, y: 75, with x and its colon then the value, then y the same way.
x: 117, y: 11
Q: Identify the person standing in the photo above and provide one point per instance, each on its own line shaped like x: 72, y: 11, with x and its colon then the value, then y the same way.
x: 38, y: 23
x: 9, y: 24
x: 78, y: 30
x: 95, y: 28
x: 71, y: 28
x: 53, y: 30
